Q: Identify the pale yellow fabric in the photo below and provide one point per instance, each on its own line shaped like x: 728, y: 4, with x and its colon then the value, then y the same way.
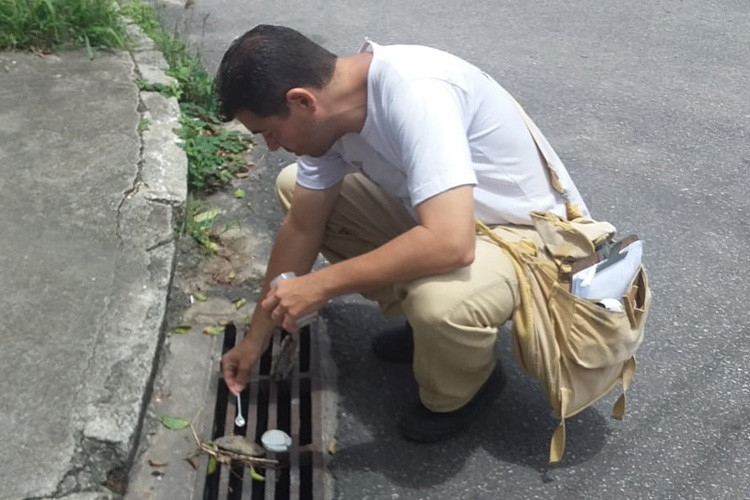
x: 575, y: 348
x: 455, y: 316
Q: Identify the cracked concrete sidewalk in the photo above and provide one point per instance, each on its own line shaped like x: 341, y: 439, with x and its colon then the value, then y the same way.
x: 91, y: 181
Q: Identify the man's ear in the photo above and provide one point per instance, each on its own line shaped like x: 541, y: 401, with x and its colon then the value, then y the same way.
x: 302, y: 98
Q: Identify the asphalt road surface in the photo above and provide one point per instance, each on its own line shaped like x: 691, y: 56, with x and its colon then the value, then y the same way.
x: 648, y: 104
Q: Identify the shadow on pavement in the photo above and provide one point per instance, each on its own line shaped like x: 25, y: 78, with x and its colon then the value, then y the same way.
x: 372, y: 393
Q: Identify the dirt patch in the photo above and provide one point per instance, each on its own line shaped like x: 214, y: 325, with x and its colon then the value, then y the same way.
x: 234, y: 264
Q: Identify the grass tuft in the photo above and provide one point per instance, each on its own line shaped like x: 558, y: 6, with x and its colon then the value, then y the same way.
x: 44, y: 25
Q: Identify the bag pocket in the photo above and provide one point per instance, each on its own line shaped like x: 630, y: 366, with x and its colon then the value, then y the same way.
x: 595, y: 337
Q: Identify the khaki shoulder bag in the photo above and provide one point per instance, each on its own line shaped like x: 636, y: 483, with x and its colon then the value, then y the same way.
x: 578, y: 350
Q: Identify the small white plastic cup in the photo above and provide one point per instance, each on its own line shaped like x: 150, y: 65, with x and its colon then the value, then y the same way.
x: 304, y: 320
x: 276, y: 441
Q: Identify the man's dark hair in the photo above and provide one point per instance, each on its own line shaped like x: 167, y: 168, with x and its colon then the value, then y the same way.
x: 262, y: 65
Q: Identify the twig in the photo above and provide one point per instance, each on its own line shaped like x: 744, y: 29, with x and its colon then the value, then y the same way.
x: 288, y: 352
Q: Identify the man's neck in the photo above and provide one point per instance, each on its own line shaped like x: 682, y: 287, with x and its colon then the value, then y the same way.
x: 346, y: 94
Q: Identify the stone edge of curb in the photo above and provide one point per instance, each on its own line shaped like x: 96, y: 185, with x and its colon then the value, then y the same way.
x: 146, y: 221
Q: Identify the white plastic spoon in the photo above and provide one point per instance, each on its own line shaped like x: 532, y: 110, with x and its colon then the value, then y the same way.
x: 239, y: 421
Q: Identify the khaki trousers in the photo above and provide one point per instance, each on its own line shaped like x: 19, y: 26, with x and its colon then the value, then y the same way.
x: 455, y: 316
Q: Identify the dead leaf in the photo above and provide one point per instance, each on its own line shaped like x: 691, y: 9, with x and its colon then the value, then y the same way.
x: 332, y: 447
x: 213, y: 330
x: 206, y: 216
x: 157, y: 464
x: 242, y: 175
x: 174, y: 423
x: 255, y: 475
x: 192, y: 463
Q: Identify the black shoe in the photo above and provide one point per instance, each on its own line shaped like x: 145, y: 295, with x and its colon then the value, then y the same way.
x: 425, y: 426
x: 395, y: 344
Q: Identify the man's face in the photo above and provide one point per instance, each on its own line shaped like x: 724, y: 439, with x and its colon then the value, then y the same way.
x: 297, y: 132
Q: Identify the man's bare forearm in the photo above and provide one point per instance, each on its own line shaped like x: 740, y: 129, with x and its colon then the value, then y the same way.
x: 442, y: 242
x: 412, y: 255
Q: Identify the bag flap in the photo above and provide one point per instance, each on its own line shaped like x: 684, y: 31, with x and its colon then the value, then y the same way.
x: 573, y: 239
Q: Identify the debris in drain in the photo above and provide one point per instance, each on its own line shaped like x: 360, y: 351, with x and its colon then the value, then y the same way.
x: 256, y: 475
x: 283, y: 361
x: 240, y: 445
x: 226, y: 456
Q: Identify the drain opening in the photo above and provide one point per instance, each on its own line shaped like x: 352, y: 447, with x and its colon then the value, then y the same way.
x: 289, y: 405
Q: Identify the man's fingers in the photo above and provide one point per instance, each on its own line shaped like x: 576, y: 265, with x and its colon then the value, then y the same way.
x: 270, y: 302
x: 289, y: 324
x: 235, y: 380
x: 234, y: 375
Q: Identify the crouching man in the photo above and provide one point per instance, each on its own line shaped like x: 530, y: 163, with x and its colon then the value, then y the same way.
x: 400, y: 149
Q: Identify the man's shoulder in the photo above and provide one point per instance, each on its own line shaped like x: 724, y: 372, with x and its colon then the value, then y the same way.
x: 395, y: 68
x: 413, y: 61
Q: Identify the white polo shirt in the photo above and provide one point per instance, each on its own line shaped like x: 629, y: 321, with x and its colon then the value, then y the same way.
x: 435, y: 122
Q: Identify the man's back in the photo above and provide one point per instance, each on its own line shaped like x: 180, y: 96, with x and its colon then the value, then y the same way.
x: 435, y: 122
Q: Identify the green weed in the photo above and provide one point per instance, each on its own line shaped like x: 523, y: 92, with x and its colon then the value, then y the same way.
x: 196, y: 85
x: 44, y: 25
x: 199, y: 225
x: 213, y: 153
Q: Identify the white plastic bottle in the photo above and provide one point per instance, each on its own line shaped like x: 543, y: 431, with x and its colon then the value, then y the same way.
x: 304, y: 320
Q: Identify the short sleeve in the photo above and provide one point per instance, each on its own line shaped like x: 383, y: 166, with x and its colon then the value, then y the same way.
x: 321, y: 172
x: 429, y: 137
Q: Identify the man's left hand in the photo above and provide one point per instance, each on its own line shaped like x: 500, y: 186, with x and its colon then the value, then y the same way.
x: 293, y: 299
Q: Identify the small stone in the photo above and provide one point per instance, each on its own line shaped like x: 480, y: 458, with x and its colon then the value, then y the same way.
x: 240, y: 445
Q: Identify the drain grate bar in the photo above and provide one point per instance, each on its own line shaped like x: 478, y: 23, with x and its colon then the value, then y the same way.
x: 292, y: 405
x: 271, y: 481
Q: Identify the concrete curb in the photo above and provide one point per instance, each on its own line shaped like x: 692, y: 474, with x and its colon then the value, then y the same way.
x: 120, y: 377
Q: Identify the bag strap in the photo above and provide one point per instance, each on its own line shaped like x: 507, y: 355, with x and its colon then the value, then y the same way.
x: 557, y: 443
x: 628, y: 370
x: 523, y: 317
x: 552, y: 162
x: 523, y: 320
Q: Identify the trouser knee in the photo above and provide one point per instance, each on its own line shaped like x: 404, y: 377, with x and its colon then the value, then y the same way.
x: 453, y: 355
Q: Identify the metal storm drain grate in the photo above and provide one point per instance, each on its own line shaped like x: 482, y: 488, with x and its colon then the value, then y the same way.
x: 291, y: 405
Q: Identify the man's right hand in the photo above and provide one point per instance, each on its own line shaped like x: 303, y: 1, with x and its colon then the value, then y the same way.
x: 237, y: 366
